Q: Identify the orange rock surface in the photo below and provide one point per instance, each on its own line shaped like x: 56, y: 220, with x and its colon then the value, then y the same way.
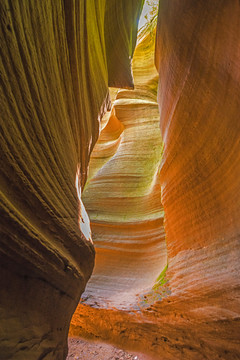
x: 123, y: 200
x: 198, y: 62
x: 123, y: 195
x: 194, y: 311
x: 175, y: 296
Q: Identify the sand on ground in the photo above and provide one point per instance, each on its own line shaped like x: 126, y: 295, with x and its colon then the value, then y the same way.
x: 81, y: 349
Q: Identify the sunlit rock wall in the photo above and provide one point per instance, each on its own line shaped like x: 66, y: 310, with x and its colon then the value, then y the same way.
x: 123, y: 200
x: 197, y: 313
x: 198, y: 56
x: 123, y: 197
x: 54, y: 89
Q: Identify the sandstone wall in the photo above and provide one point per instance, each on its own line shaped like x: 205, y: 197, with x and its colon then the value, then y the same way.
x: 197, y: 56
x: 123, y: 200
x: 54, y: 74
x: 194, y: 311
x: 57, y: 61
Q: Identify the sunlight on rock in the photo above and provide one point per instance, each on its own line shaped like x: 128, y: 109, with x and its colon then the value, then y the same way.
x: 119, y: 180
x: 84, y: 222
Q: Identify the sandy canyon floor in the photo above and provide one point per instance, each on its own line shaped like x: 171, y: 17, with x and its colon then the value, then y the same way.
x: 81, y: 349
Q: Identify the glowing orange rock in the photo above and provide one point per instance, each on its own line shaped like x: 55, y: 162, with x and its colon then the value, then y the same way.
x: 198, y: 310
x: 123, y: 195
x: 198, y: 63
x: 123, y: 200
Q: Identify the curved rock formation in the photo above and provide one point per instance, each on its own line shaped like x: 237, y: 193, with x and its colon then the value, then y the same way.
x: 123, y: 200
x: 197, y: 55
x: 198, y: 311
x: 123, y: 195
x: 58, y: 58
x: 54, y: 90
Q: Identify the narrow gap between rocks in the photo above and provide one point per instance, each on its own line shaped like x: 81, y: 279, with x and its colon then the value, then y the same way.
x: 123, y: 200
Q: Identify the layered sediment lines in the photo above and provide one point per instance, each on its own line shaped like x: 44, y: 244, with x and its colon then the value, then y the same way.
x: 197, y: 55
x: 124, y: 204
x: 123, y: 200
x: 58, y: 58
x: 123, y: 197
x: 197, y: 314
x: 54, y: 72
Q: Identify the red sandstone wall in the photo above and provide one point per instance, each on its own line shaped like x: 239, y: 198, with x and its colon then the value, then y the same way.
x: 195, y: 314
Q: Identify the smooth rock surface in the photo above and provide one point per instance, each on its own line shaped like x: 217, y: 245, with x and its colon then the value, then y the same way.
x: 123, y: 197
x: 57, y: 61
x: 197, y: 313
x: 54, y: 74
x: 123, y: 200
x: 198, y: 56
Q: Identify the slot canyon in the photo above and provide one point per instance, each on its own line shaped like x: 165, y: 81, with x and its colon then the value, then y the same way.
x: 120, y: 179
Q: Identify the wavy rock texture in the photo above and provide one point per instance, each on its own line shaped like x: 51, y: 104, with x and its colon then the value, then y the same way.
x: 54, y: 89
x: 123, y: 200
x: 197, y: 56
x: 123, y: 197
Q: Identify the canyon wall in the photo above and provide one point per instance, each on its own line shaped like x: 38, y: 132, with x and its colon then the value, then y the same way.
x: 198, y: 56
x: 194, y: 312
x: 123, y: 200
x: 57, y: 58
x: 123, y: 197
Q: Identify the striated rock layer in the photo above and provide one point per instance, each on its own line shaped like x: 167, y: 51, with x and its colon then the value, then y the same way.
x: 197, y: 313
x: 123, y: 200
x: 123, y: 197
x: 197, y: 55
x: 57, y: 59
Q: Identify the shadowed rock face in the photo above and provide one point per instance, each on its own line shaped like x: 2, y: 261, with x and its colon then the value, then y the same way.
x: 197, y: 56
x: 54, y: 89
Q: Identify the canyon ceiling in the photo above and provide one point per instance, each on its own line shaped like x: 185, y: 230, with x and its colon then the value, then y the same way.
x: 163, y: 202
